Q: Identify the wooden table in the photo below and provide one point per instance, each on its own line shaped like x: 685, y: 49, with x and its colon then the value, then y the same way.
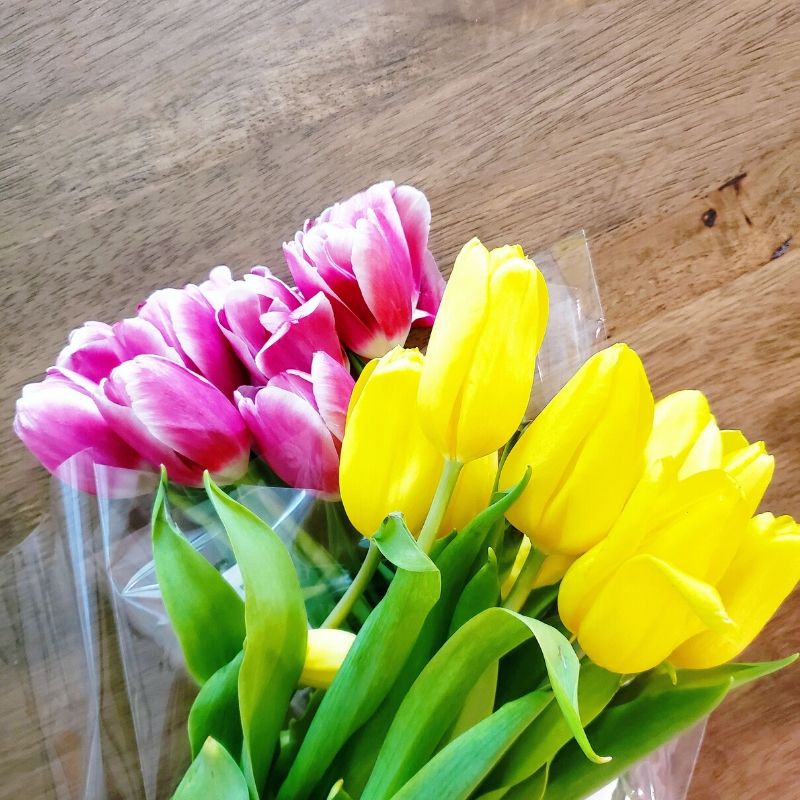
x: 146, y: 142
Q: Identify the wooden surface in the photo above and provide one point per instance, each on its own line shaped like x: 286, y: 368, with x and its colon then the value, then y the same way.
x: 146, y: 142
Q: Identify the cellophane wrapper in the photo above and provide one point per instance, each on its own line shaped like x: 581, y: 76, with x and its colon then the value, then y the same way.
x: 94, y: 691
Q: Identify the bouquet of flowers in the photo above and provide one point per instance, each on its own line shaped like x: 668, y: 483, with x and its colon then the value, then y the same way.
x: 532, y: 603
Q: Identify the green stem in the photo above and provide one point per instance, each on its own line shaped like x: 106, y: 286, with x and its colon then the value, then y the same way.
x: 362, y: 578
x: 444, y: 491
x: 522, y: 588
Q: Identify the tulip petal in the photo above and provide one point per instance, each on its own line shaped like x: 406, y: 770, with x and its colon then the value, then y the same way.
x: 471, y: 495
x: 623, y: 634
x: 292, y: 438
x: 752, y: 468
x: 763, y: 574
x: 307, y: 329
x: 678, y: 421
x: 414, y: 212
x: 332, y: 386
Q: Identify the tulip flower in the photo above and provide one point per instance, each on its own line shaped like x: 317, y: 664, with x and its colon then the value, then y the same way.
x: 387, y: 463
x: 96, y: 348
x: 297, y: 422
x: 761, y: 576
x: 480, y: 360
x: 171, y: 416
x: 471, y: 495
x: 684, y: 429
x: 586, y: 452
x: 272, y: 329
x: 369, y: 256
x: 58, y: 419
x: 326, y: 650
x: 655, y: 581
x: 188, y: 324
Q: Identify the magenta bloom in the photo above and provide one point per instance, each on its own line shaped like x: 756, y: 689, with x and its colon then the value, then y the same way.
x: 58, y: 419
x: 187, y: 322
x: 96, y: 348
x: 369, y: 256
x: 297, y: 422
x: 174, y: 417
x: 272, y: 329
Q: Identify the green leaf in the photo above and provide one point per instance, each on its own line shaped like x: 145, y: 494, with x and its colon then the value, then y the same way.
x: 213, y: 774
x: 205, y: 611
x: 456, y: 771
x: 482, y: 592
x: 531, y: 789
x: 740, y: 673
x: 215, y: 711
x: 629, y: 732
x: 337, y: 792
x: 374, y: 661
x: 539, y: 744
x: 276, y: 626
x: 434, y: 700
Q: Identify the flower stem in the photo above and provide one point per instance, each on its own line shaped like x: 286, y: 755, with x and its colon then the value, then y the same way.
x: 444, y: 491
x: 360, y: 582
x: 522, y: 588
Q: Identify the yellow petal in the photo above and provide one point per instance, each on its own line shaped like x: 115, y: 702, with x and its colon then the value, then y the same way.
x: 751, y: 467
x: 585, y: 450
x: 326, y: 650
x: 644, y: 611
x: 761, y: 577
x: 387, y: 464
x: 705, y: 453
x: 472, y: 493
x: 553, y: 569
x: 453, y: 341
x: 679, y: 420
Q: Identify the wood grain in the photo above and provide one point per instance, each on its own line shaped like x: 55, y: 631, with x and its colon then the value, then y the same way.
x: 143, y: 143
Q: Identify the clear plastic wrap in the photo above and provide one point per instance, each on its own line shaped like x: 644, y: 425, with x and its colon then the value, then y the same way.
x: 94, y: 692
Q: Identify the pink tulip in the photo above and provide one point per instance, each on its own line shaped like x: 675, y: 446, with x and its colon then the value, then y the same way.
x: 59, y: 422
x: 187, y: 321
x: 369, y: 256
x: 297, y: 422
x: 272, y: 330
x: 174, y: 417
x: 96, y: 348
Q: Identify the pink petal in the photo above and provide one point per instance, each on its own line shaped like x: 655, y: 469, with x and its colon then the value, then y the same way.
x: 306, y: 330
x: 332, y: 385
x: 414, y: 211
x: 430, y: 295
x: 175, y: 417
x: 215, y: 288
x: 57, y: 420
x: 293, y: 440
x: 386, y: 281
x: 91, y: 352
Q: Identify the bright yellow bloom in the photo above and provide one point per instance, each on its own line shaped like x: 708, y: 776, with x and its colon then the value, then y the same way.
x: 387, y: 463
x: 652, y: 583
x: 586, y: 452
x: 685, y: 429
x: 471, y: 495
x: 325, y: 652
x: 480, y: 360
x: 761, y: 576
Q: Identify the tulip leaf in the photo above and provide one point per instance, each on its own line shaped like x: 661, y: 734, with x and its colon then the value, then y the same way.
x: 629, y: 731
x: 531, y: 789
x: 276, y: 632
x: 538, y: 745
x: 213, y: 774
x: 433, y: 702
x: 740, y: 673
x: 457, y: 770
x: 205, y: 611
x: 455, y: 561
x: 215, y: 711
x: 375, y: 659
x: 337, y: 792
x: 481, y: 592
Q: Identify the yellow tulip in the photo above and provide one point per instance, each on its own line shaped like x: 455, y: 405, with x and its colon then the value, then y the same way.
x: 471, y: 495
x: 387, y: 463
x: 654, y: 582
x: 326, y: 650
x: 761, y: 576
x: 480, y: 360
x: 586, y: 452
x: 685, y: 429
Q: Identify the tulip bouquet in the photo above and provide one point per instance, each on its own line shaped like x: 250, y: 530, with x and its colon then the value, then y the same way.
x: 534, y: 605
